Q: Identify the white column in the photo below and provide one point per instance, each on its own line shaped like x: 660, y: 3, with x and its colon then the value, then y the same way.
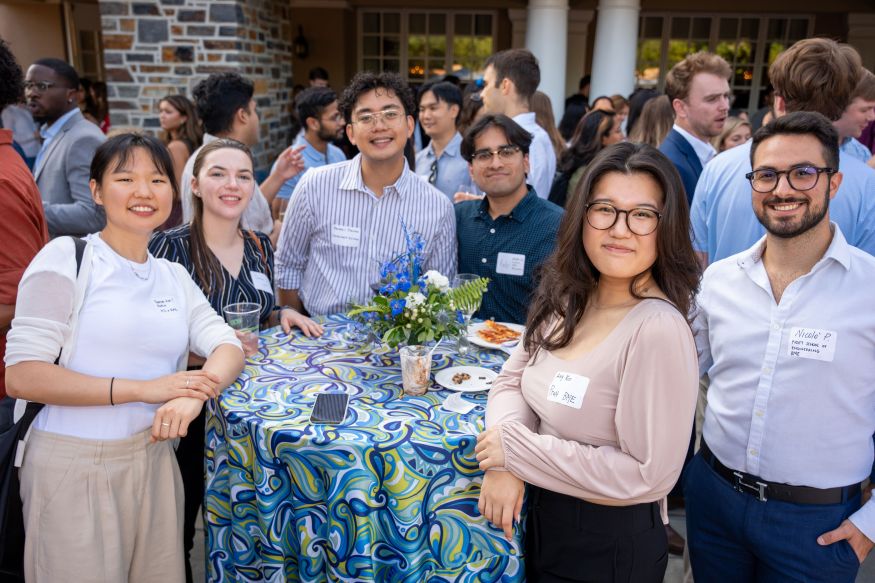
x: 616, y: 42
x: 578, y: 33
x: 546, y: 35
x: 861, y: 35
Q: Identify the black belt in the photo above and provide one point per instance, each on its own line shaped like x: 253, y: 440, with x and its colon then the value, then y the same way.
x: 764, y: 490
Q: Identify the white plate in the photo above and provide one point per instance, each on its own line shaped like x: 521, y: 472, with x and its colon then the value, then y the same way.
x: 481, y: 378
x: 476, y: 339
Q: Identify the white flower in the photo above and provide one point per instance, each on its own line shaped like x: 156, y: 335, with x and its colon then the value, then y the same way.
x: 438, y: 280
x: 415, y: 299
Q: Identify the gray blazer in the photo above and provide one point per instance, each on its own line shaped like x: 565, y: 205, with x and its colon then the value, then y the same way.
x: 62, y: 177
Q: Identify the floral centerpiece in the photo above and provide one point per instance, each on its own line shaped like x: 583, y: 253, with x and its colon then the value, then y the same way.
x: 413, y: 307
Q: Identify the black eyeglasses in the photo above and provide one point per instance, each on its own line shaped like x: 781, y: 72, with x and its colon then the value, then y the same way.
x: 40, y: 86
x: 640, y: 220
x: 800, y: 178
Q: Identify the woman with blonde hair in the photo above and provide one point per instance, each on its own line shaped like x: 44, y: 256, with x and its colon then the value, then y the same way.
x: 657, y: 117
x: 736, y: 131
x: 544, y: 117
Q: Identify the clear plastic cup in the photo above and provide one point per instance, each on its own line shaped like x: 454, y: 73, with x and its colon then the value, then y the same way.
x: 415, y: 369
x: 243, y: 317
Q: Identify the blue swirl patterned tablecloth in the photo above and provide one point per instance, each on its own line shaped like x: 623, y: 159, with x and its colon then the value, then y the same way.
x: 390, y: 495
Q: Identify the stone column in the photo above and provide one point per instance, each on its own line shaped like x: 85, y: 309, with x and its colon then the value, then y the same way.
x: 578, y: 36
x: 546, y: 37
x: 152, y: 49
x: 616, y: 42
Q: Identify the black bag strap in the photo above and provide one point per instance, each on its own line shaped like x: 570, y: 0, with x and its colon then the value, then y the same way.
x: 32, y: 408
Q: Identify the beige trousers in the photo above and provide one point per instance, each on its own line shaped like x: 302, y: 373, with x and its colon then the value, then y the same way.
x: 101, y: 511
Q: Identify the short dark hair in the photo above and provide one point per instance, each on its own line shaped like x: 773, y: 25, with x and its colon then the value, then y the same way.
x: 520, y: 66
x: 312, y: 102
x: 514, y: 132
x: 12, y: 87
x: 62, y: 69
x: 368, y: 81
x: 318, y: 73
x: 219, y: 97
x: 801, y: 123
x: 443, y: 91
x: 584, y: 81
x: 118, y: 150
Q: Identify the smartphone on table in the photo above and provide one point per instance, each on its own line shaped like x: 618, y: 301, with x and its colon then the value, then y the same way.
x: 329, y: 408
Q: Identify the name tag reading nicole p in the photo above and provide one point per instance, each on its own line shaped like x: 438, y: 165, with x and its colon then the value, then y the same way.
x: 812, y: 343
x: 568, y: 389
x: 345, y: 236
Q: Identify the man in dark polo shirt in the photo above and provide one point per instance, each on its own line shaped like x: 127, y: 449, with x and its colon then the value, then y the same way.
x: 507, y: 235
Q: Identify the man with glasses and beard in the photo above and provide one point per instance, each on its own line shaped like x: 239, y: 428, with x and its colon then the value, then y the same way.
x: 345, y: 220
x: 62, y: 166
x: 774, y: 492
x: 509, y: 233
x: 323, y: 124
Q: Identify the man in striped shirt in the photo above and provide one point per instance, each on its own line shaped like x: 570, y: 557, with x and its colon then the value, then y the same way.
x: 347, y: 219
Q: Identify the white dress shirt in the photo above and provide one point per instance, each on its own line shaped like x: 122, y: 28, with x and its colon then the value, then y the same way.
x: 542, y: 156
x: 792, y: 394
x: 704, y: 150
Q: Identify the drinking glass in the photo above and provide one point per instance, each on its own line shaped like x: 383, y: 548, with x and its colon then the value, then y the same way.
x: 243, y: 318
x: 415, y: 369
x: 463, y: 345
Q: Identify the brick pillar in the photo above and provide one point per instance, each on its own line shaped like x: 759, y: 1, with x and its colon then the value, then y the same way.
x: 152, y: 49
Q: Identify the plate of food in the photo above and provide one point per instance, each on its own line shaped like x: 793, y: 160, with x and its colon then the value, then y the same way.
x: 466, y: 379
x: 495, y: 335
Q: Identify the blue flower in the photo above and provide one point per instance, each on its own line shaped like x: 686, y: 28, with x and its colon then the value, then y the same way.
x: 404, y: 285
x: 397, y: 306
x: 460, y: 317
x: 387, y: 289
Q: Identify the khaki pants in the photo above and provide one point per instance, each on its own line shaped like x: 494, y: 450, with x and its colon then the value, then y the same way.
x: 101, y: 511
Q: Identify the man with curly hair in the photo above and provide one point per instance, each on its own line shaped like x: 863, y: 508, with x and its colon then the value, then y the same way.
x: 21, y: 208
x: 346, y: 219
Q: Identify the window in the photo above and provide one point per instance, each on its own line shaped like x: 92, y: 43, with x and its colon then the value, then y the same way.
x: 424, y: 45
x: 748, y: 43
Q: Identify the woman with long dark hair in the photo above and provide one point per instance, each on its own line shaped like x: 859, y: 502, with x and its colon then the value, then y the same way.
x: 181, y: 133
x: 594, y: 408
x: 106, y: 352
x: 230, y: 265
x: 596, y: 130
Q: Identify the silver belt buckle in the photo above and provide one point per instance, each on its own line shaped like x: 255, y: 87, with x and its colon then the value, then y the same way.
x: 758, y: 489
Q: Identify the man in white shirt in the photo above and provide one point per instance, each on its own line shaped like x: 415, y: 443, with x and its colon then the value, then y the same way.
x: 509, y: 82
x: 774, y: 492
x: 859, y: 113
x: 226, y: 107
x: 698, y: 88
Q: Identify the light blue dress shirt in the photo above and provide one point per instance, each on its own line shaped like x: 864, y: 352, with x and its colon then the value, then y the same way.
x: 452, y: 169
x: 313, y: 158
x: 853, y: 147
x: 792, y: 393
x: 542, y: 156
x: 49, y: 132
x: 724, y: 222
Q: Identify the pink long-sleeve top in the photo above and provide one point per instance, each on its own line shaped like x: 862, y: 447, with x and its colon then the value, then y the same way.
x: 627, y: 442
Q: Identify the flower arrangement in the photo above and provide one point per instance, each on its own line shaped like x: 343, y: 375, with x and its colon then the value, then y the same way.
x: 414, y: 307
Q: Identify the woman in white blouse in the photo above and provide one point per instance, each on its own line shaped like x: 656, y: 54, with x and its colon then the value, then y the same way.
x: 99, y: 484
x: 594, y: 408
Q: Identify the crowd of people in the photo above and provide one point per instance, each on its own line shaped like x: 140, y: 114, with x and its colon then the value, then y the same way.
x: 683, y: 275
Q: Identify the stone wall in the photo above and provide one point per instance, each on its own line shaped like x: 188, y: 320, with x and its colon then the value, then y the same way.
x: 154, y: 48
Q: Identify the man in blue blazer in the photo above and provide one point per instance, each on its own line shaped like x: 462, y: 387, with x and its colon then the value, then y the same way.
x: 698, y: 88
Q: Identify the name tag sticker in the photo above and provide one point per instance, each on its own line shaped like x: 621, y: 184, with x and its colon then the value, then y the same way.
x: 511, y: 264
x: 812, y: 343
x: 165, y: 305
x: 568, y: 389
x: 261, y: 282
x: 345, y: 236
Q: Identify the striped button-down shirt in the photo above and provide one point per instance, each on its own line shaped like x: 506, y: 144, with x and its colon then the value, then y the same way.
x: 337, y: 233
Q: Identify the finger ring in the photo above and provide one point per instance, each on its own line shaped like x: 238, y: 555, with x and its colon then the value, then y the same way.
x: 165, y: 424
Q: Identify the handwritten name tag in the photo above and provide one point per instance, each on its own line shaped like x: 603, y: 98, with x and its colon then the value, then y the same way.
x: 345, y: 236
x: 261, y: 282
x: 165, y: 305
x: 812, y: 343
x: 568, y: 389
x: 511, y: 264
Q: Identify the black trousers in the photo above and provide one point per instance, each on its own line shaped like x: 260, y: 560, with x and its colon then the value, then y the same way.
x: 190, y: 457
x: 571, y: 540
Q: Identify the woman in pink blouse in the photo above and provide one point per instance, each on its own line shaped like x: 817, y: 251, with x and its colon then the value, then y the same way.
x: 594, y: 409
